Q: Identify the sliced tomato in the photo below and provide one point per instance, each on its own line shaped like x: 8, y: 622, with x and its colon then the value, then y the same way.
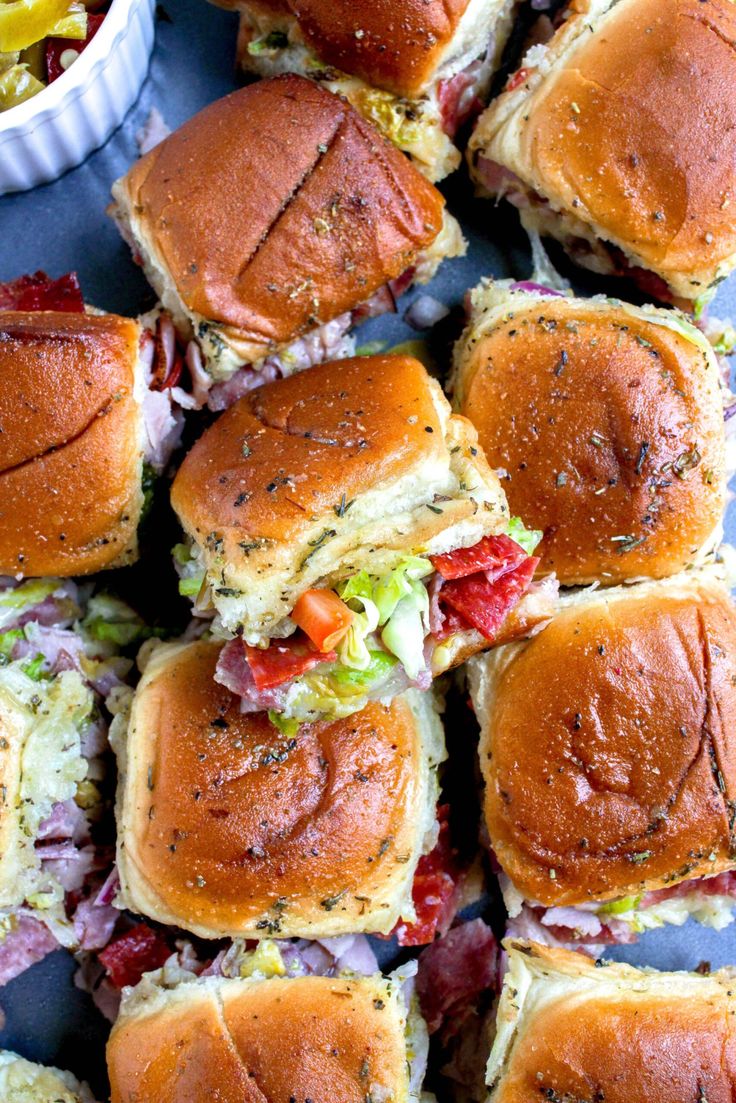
x: 323, y: 616
x: 483, y: 604
x: 492, y: 553
x: 434, y: 891
x: 55, y: 47
x: 40, y: 292
x: 283, y: 660
x: 138, y: 951
x: 516, y: 79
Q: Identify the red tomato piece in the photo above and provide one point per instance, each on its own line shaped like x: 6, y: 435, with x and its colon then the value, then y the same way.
x: 434, y: 891
x: 40, y: 292
x: 516, y: 79
x: 492, y: 553
x: 138, y: 951
x: 283, y: 660
x: 483, y: 604
x: 323, y: 616
x: 55, y: 47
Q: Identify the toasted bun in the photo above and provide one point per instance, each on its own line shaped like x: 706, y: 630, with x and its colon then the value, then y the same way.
x: 272, y: 211
x: 396, y: 46
x: 602, y: 776
x: 347, y: 466
x: 570, y: 1030
x: 402, y: 47
x: 608, y: 421
x: 226, y: 827
x: 235, y: 1040
x: 607, y: 128
x: 70, y: 473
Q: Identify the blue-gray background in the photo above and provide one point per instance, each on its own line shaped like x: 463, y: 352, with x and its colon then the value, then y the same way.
x: 63, y: 226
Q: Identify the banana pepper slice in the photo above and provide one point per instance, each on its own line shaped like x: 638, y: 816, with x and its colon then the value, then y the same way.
x: 23, y: 22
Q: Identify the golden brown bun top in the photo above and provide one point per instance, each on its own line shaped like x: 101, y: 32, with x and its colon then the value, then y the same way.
x: 278, y: 208
x: 252, y: 829
x: 292, y: 450
x: 391, y: 44
x: 611, y: 431
x: 70, y: 460
x: 609, y: 754
x: 623, y: 1037
x: 622, y: 135
x: 307, y: 1038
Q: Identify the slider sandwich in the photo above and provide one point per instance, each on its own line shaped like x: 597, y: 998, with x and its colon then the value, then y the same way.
x: 270, y: 223
x: 24, y: 1081
x: 346, y: 530
x: 569, y: 1030
x: 268, y: 1034
x: 606, y: 424
x: 58, y: 665
x: 416, y: 71
x: 609, y: 764
x: 618, y: 138
x: 229, y: 828
x: 86, y: 422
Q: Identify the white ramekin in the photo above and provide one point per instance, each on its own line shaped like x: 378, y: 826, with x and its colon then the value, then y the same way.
x: 43, y: 137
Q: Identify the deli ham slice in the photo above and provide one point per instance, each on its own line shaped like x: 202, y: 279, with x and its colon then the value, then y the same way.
x: 454, y: 970
x: 28, y: 942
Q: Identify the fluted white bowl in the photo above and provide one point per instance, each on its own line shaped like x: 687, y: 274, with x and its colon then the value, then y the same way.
x: 55, y: 130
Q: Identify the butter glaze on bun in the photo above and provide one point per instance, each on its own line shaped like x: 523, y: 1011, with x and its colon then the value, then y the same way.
x: 605, y: 128
x: 570, y: 1030
x: 235, y: 1040
x: 72, y: 448
x: 228, y: 828
x: 271, y: 212
x: 607, y: 420
x: 607, y: 743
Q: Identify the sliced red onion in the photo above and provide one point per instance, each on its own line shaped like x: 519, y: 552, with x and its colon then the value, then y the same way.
x: 538, y: 288
x: 109, y: 889
x: 382, y: 301
x: 425, y: 312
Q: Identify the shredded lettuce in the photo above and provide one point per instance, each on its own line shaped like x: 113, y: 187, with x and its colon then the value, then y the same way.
x: 25, y: 596
x: 190, y: 587
x: 378, y: 670
x: 7, y: 642
x: 357, y: 593
x: 269, y: 45
x: 110, y: 620
x: 34, y: 668
x: 399, y: 604
x: 618, y: 907
x: 526, y: 538
x: 285, y: 725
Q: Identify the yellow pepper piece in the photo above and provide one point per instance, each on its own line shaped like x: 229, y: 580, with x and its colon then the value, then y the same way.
x: 17, y: 85
x: 8, y: 60
x: 73, y: 24
x: 23, y: 22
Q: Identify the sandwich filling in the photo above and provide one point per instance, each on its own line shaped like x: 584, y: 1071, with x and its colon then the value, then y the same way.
x: 58, y: 664
x: 22, y: 1081
x: 274, y: 961
x: 184, y: 345
x: 425, y: 127
x: 371, y: 636
x: 156, y: 374
x: 710, y: 900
